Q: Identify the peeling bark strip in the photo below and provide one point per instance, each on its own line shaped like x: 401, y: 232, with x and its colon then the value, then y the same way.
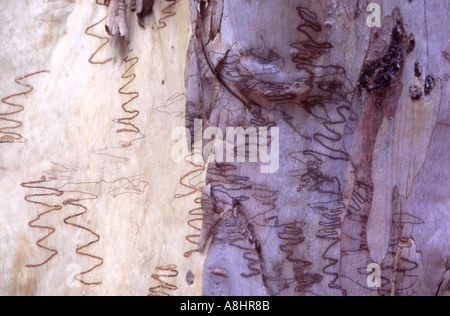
x: 143, y: 7
x: 381, y: 79
x: 117, y: 20
x: 162, y: 277
x: 117, y: 23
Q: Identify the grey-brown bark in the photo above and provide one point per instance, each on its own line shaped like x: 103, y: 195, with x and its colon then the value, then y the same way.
x: 361, y: 179
x: 117, y: 23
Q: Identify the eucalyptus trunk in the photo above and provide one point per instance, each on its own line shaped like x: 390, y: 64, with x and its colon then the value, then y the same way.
x: 112, y: 183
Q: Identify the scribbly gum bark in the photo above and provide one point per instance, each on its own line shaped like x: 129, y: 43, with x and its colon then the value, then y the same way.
x: 95, y: 200
x: 354, y: 146
x: 87, y: 185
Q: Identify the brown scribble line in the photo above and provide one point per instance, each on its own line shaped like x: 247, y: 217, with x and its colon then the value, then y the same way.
x: 103, y: 38
x: 334, y: 98
x: 126, y: 121
x: 50, y: 208
x: 168, y: 13
x: 130, y: 186
x: 188, y: 181
x: 41, y: 16
x: 177, y: 97
x: 32, y: 185
x: 60, y: 172
x: 194, y: 238
x: 197, y: 213
x: 397, y: 263
x: 130, y: 127
x: 331, y: 224
x: 292, y: 235
x: 10, y: 136
x: 79, y: 250
x: 164, y: 285
x: 118, y: 159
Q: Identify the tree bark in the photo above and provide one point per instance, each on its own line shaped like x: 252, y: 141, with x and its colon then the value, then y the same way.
x: 359, y: 128
x: 101, y: 196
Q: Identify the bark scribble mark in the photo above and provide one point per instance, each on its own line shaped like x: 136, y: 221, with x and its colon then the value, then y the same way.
x: 8, y: 134
x: 48, y: 15
x: 164, y: 287
x: 45, y: 193
x: 229, y: 204
x: 129, y: 129
x: 332, y: 95
x: 168, y: 12
x: 76, y: 202
x: 103, y: 38
x: 192, y: 181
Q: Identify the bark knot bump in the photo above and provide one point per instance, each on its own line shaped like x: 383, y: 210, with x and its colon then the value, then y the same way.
x: 379, y: 74
x: 415, y: 93
x: 430, y: 83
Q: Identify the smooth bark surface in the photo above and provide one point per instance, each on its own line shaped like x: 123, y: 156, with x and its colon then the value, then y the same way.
x: 111, y: 216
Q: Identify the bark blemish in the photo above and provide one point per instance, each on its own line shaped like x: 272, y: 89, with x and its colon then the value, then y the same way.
x: 379, y: 74
x: 415, y: 93
x: 430, y: 83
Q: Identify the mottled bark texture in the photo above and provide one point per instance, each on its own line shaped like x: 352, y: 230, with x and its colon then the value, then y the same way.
x: 364, y: 167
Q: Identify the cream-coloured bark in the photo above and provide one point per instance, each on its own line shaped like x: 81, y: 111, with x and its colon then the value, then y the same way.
x: 100, y: 133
